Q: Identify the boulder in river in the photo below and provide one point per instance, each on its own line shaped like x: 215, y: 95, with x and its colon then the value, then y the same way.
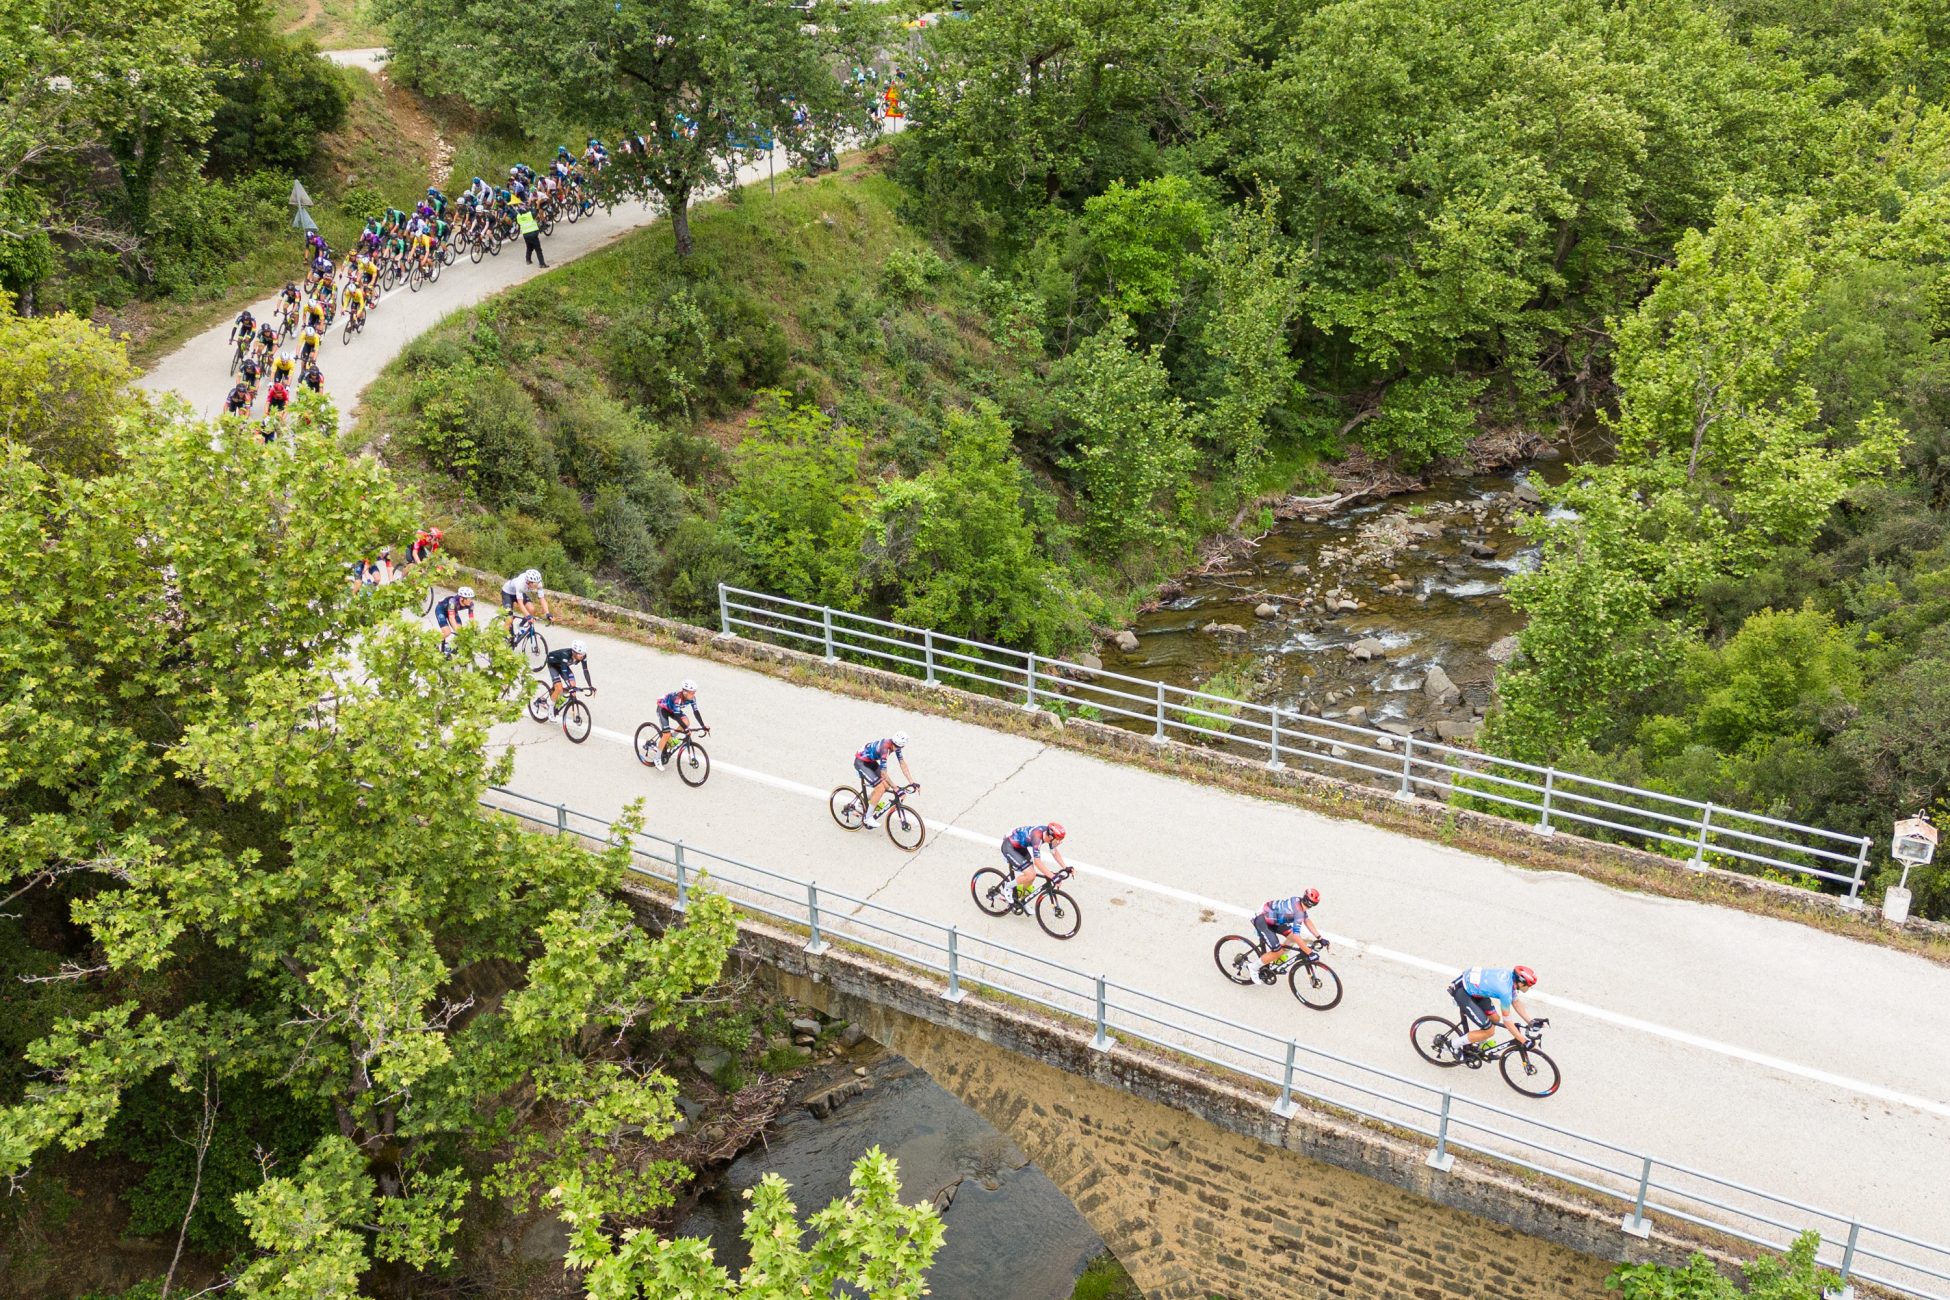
x: 1347, y: 604
x: 1087, y: 666
x: 1266, y: 609
x: 1438, y: 686
x: 1126, y: 641
x: 1223, y: 629
x: 1365, y: 649
x: 1457, y: 732
x: 1502, y: 650
x: 1527, y: 495
x: 1357, y: 716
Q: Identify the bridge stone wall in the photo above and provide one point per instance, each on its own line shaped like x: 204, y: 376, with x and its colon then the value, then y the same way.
x: 1189, y: 1175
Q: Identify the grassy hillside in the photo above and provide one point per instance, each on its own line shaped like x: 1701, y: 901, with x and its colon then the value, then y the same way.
x: 595, y: 422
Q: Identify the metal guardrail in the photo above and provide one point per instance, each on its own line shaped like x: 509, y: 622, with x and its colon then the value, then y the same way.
x: 1548, y: 798
x: 1648, y: 1186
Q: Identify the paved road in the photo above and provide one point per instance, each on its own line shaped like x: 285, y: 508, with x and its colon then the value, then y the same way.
x: 1752, y: 1048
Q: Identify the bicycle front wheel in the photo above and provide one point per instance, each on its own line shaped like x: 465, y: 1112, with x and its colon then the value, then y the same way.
x: 693, y: 764
x: 1530, y: 1072
x: 477, y: 249
x: 991, y: 891
x: 536, y: 648
x: 1234, y: 955
x: 538, y: 707
x: 844, y: 804
x: 905, y: 827
x: 1436, y: 1041
x: 576, y: 721
x: 1057, y: 913
x: 1315, y: 984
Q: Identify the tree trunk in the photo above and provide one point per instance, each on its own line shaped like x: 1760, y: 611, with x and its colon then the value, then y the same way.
x: 680, y: 219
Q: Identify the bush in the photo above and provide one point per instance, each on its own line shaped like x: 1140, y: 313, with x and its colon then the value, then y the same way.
x: 695, y: 351
x: 199, y: 227
x: 907, y: 271
x: 1423, y: 420
x: 480, y: 426
x: 279, y: 100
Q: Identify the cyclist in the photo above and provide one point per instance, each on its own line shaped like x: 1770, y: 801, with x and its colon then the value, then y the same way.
x: 244, y: 328
x: 1488, y: 996
x: 315, y: 309
x: 871, y: 763
x: 520, y: 595
x: 250, y: 371
x: 313, y: 379
x: 425, y: 543
x: 355, y: 302
x: 436, y: 201
x: 448, y: 612
x: 239, y: 400
x: 670, y: 718
x: 284, y: 367
x: 275, y: 399
x: 1279, y: 918
x: 562, y: 671
x: 308, y: 343
x: 423, y: 249
x: 1022, y: 849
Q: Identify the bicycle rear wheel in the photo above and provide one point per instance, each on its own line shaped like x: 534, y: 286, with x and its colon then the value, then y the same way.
x: 991, y: 891
x: 1435, y: 1040
x: 536, y: 648
x: 538, y: 706
x: 1232, y: 955
x: 646, y: 743
x: 1315, y: 984
x: 426, y: 602
x: 576, y: 721
x: 845, y: 805
x: 1530, y: 1072
x: 1058, y: 914
x: 693, y: 764
x: 905, y: 827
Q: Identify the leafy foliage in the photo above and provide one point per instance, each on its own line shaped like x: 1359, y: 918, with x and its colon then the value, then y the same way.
x: 1795, y: 1277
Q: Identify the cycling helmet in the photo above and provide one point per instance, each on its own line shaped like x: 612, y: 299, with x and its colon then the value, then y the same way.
x: 900, y: 740
x: 689, y: 687
x: 435, y: 533
x: 1312, y: 897
x: 579, y: 647
x: 562, y: 150
x: 1525, y: 976
x: 465, y: 593
x: 594, y: 142
x: 533, y: 577
x: 479, y: 181
x: 1056, y: 831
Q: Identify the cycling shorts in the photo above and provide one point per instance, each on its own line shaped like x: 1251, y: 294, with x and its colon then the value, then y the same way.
x: 441, y: 619
x: 567, y: 676
x: 508, y: 600
x: 1016, y: 856
x: 1269, y: 934
x: 869, y: 772
x: 669, y: 721
x: 1475, y: 1010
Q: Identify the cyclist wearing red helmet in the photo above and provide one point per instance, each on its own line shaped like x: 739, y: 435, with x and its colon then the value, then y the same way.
x: 1022, y: 849
x: 1278, y: 920
x: 1478, y: 992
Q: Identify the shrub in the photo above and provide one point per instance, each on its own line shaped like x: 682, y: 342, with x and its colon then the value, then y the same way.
x: 480, y: 426
x: 695, y: 351
x: 907, y: 271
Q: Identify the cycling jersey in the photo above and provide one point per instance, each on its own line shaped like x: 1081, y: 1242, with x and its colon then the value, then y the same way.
x: 513, y: 590
x: 674, y: 704
x: 1285, y: 914
x: 449, y: 610
x: 1499, y: 985
x: 877, y: 752
x: 1029, y: 839
x: 562, y: 667
x: 278, y: 395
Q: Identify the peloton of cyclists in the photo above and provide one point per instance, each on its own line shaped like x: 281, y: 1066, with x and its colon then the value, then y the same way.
x: 871, y: 763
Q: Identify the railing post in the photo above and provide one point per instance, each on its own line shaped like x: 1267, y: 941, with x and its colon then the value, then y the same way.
x: 1285, y: 1107
x: 1699, y: 845
x: 1636, y: 1223
x: 1408, y: 763
x: 1159, y: 735
x: 1029, y: 685
x: 816, y: 944
x: 1273, y: 764
x: 562, y: 819
x: 1102, y: 1042
x: 1439, y: 1159
x: 1544, y: 827
x: 826, y: 617
x: 724, y: 612
x: 1854, y: 898
x: 954, y: 993
x: 927, y: 650
x: 1847, y: 1290
x: 683, y: 883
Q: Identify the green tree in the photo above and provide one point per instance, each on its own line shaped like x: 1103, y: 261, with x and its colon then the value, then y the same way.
x: 796, y: 506
x: 62, y: 384
x: 705, y: 82
x: 1255, y: 299
x: 1146, y: 237
x: 1132, y: 454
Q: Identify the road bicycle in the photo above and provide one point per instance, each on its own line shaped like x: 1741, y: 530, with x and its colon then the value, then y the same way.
x: 355, y: 323
x: 1312, y: 980
x: 425, y: 269
x: 1440, y: 1041
x: 692, y: 763
x: 994, y: 892
x: 528, y: 639
x: 849, y: 805
x: 576, y: 721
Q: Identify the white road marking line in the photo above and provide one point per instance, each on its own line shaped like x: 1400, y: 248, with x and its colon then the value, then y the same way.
x: 1348, y: 943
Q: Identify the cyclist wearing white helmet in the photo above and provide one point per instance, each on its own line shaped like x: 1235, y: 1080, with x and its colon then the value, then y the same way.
x: 670, y: 718
x: 448, y: 613
x: 871, y: 763
x: 523, y: 595
x: 561, y: 666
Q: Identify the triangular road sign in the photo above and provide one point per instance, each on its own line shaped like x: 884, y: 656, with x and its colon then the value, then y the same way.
x: 299, y: 199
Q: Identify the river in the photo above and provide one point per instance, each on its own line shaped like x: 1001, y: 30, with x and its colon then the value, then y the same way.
x: 1009, y: 1231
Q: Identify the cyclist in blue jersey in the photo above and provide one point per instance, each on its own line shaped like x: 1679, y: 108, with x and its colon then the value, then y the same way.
x: 1487, y: 996
x: 670, y: 717
x: 1022, y: 849
x: 871, y: 763
x: 448, y: 613
x: 1279, y: 918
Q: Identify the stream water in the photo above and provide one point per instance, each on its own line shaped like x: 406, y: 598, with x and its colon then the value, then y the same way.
x: 1363, y: 603
x: 1009, y: 1231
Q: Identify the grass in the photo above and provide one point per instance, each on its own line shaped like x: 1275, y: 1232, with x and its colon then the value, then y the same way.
x: 334, y: 24
x: 1105, y: 1279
